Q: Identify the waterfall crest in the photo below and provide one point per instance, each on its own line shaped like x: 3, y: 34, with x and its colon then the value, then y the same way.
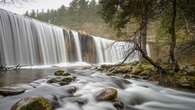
x: 27, y: 41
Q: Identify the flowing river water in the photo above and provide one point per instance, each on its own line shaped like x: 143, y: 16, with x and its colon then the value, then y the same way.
x: 134, y: 94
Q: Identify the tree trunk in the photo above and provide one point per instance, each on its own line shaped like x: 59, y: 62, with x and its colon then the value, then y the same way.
x: 143, y: 33
x: 172, y: 58
x: 143, y: 28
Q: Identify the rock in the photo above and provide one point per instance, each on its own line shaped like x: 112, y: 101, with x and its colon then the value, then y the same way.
x: 62, y: 80
x: 118, y: 105
x: 32, y: 103
x: 107, y: 94
x: 8, y: 91
x: 67, y: 80
x: 61, y: 73
x: 78, y: 100
x: 189, y: 70
x: 138, y: 69
x: 55, y: 80
x: 72, y: 89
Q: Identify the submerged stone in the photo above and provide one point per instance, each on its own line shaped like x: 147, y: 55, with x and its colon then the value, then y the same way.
x: 118, y: 105
x: 107, y: 94
x: 6, y: 91
x: 32, y: 103
x: 79, y: 100
x: 71, y: 89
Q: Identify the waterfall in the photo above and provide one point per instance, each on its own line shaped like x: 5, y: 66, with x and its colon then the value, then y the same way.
x: 27, y: 41
x: 78, y: 45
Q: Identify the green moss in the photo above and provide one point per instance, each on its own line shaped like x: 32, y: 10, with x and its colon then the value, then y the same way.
x: 61, y: 73
x: 32, y: 103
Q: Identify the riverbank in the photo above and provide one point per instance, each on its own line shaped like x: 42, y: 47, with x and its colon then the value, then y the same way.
x: 183, y: 79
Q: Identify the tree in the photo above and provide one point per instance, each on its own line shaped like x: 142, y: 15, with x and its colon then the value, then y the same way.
x: 119, y: 13
x: 172, y: 58
x: 92, y: 4
x: 26, y: 13
x: 177, y: 16
x: 33, y: 14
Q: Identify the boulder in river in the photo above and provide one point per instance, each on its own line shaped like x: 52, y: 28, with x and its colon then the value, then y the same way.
x: 61, y: 73
x: 67, y: 80
x: 107, y: 94
x: 32, y: 103
x: 8, y: 91
x: 62, y: 80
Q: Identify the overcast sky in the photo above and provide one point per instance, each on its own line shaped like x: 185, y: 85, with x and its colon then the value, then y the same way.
x: 21, y: 7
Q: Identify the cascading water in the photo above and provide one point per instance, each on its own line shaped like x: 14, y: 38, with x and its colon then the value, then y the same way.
x: 78, y: 45
x: 27, y: 41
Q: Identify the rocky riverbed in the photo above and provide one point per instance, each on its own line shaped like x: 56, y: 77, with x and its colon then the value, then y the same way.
x: 85, y: 88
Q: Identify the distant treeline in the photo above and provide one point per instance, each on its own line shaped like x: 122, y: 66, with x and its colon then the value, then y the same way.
x: 82, y: 15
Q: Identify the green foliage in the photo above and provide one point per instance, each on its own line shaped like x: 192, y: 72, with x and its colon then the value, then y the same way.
x: 120, y: 13
x: 185, y: 20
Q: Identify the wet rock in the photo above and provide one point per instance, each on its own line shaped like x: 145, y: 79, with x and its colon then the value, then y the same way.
x: 118, y: 105
x: 107, y: 94
x: 61, y: 73
x: 78, y: 100
x: 8, y: 91
x: 126, y: 76
x: 72, y: 89
x: 55, y: 80
x: 62, y: 80
x: 67, y: 80
x: 81, y: 101
x: 32, y: 103
x: 121, y: 83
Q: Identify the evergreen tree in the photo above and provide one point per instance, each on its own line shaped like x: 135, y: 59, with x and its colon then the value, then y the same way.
x: 119, y: 13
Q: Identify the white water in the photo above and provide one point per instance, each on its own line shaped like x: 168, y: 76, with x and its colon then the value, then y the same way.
x: 78, y: 45
x: 133, y: 94
x: 27, y: 41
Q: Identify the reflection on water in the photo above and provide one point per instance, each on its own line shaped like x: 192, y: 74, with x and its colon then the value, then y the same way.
x: 27, y: 75
x: 22, y: 76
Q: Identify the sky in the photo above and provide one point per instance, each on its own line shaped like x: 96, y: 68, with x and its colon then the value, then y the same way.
x: 21, y: 6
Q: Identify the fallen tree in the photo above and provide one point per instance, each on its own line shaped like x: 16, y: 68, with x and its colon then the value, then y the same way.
x: 143, y: 55
x: 6, y: 68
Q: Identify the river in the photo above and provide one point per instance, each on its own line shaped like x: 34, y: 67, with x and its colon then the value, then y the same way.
x: 134, y: 94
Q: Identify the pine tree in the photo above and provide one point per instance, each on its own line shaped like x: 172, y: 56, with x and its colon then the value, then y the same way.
x: 119, y: 13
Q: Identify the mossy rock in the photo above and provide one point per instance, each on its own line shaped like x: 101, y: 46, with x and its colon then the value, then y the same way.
x: 137, y: 69
x: 55, y: 80
x: 142, y: 69
x: 61, y: 73
x: 185, y: 81
x: 147, y: 72
x: 107, y: 94
x: 62, y: 80
x: 32, y: 103
x: 67, y: 80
